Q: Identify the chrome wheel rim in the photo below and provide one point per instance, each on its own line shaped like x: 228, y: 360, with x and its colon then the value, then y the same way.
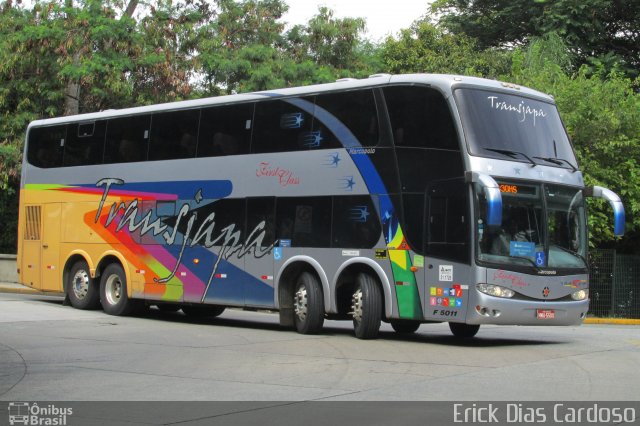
x: 300, y: 303
x: 113, y: 289
x: 81, y: 284
x: 356, y: 305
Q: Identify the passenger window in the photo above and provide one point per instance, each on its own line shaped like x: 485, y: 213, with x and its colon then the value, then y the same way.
x: 447, y: 220
x: 420, y: 118
x: 355, y: 222
x: 46, y: 145
x: 85, y: 143
x: 260, y: 210
x: 127, y: 139
x: 174, y: 135
x: 355, y: 110
x: 282, y: 126
x: 304, y: 222
x: 225, y: 130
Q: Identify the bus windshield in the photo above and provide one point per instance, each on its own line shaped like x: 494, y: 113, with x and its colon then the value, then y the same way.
x: 543, y: 225
x: 504, y: 126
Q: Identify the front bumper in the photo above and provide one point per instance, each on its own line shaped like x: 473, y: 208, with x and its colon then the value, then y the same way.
x: 496, y: 310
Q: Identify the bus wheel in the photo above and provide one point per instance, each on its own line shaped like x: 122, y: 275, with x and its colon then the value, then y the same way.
x: 366, y: 307
x: 202, y: 311
x: 405, y: 326
x: 82, y: 291
x: 113, y: 292
x: 308, y: 304
x: 464, y: 331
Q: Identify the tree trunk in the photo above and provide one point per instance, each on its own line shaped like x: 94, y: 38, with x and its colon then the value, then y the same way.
x: 72, y: 92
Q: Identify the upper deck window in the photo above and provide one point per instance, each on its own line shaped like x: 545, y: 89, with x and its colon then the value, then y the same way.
x: 46, y: 145
x: 85, y: 143
x: 127, y: 139
x: 174, y: 135
x: 355, y: 110
x: 506, y: 126
x: 420, y: 118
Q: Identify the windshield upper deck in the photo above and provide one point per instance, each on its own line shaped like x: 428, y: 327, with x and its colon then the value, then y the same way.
x: 505, y: 126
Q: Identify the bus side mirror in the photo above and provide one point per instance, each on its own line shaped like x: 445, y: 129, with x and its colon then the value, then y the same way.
x: 616, y: 205
x: 491, y: 193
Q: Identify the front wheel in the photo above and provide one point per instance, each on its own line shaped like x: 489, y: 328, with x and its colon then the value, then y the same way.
x: 366, y: 307
x: 464, y: 331
x: 308, y: 304
x: 113, y: 292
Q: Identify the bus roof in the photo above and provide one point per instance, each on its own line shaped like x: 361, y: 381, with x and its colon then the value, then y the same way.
x: 445, y: 82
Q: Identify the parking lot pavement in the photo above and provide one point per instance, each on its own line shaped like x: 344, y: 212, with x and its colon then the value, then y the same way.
x: 53, y: 352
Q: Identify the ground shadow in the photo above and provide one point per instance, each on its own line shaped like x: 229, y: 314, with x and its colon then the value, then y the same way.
x: 423, y: 335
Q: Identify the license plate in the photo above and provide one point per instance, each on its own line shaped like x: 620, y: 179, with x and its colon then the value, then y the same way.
x: 545, y: 314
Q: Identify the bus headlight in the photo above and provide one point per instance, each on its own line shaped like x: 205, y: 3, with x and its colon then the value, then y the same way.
x: 580, y: 294
x: 495, y: 290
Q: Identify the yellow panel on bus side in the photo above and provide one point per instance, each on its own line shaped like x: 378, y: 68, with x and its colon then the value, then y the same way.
x: 79, y: 224
x: 30, y: 265
x: 51, y: 267
x: 30, y: 232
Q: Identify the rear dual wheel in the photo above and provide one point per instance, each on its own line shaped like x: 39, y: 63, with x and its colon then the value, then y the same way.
x: 113, y: 292
x: 366, y: 307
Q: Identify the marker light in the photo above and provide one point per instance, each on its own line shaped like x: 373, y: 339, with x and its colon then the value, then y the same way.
x: 495, y: 290
x: 580, y: 294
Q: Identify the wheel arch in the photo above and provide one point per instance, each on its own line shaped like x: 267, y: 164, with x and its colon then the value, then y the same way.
x: 351, y: 268
x: 285, y: 280
x: 74, y: 257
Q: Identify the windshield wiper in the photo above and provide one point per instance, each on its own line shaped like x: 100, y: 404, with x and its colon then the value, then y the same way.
x: 574, y: 253
x: 537, y: 268
x: 558, y: 161
x: 512, y: 154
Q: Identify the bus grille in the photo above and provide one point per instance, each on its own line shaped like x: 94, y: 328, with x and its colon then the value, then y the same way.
x: 33, y: 217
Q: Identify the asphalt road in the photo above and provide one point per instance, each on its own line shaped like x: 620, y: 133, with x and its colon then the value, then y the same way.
x: 53, y: 352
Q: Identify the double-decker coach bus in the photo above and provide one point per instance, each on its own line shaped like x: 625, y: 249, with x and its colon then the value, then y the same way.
x: 408, y: 199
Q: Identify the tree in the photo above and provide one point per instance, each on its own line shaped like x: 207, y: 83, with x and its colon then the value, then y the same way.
x: 330, y: 41
x: 596, y: 31
x: 601, y: 112
x: 424, y: 47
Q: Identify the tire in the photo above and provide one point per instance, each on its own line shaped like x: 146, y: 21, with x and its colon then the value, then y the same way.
x: 203, y: 311
x: 405, y: 326
x: 308, y: 304
x: 82, y: 290
x: 464, y: 331
x: 113, y: 292
x: 366, y: 307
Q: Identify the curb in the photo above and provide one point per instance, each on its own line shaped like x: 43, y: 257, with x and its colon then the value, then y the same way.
x: 616, y: 321
x: 18, y: 289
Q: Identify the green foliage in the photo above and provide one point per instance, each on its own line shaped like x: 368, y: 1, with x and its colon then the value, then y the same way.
x: 329, y: 41
x: 601, y: 112
x: 424, y: 47
x: 602, y: 32
x: 61, y: 57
